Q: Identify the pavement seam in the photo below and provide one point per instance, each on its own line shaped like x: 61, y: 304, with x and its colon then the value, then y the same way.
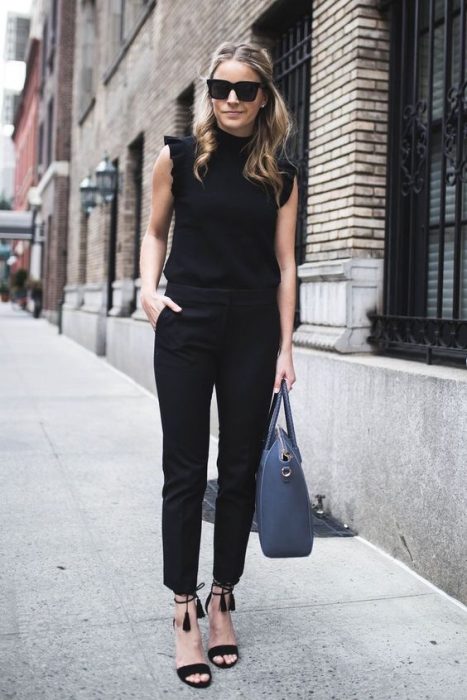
x: 145, y: 620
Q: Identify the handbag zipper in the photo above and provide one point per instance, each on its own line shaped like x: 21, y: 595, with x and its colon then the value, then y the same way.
x: 285, y: 454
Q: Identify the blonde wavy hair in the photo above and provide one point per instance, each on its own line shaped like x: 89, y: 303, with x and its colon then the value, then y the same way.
x: 274, y: 123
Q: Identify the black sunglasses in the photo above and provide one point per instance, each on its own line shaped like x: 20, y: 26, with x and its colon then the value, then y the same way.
x: 246, y: 90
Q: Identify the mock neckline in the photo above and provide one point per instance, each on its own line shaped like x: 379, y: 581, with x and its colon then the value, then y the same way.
x: 230, y: 140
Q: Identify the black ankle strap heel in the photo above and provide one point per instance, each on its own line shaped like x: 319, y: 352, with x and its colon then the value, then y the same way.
x: 221, y: 649
x: 184, y: 671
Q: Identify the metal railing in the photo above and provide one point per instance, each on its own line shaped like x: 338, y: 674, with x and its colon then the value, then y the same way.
x: 425, y: 278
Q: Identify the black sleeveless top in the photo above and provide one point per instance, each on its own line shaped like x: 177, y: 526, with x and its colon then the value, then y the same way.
x: 224, y: 228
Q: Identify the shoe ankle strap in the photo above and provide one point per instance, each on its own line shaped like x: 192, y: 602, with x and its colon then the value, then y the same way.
x: 226, y: 588
x: 199, y: 607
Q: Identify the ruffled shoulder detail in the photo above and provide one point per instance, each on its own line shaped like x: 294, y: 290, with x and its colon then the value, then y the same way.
x: 177, y: 153
x: 289, y: 171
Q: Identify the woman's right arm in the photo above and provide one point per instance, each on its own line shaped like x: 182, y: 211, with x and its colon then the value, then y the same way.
x: 154, y: 242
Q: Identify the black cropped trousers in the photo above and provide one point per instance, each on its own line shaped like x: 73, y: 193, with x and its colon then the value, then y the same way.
x: 227, y: 338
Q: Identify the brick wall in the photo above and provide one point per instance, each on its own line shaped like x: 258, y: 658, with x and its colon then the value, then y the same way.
x: 142, y: 95
x: 63, y: 87
x: 348, y: 125
x: 54, y: 186
x: 97, y: 244
x: 127, y: 217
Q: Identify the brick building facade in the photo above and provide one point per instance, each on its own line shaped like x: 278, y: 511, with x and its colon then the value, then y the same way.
x: 366, y: 421
x: 25, y: 130
x: 54, y: 145
x: 24, y: 137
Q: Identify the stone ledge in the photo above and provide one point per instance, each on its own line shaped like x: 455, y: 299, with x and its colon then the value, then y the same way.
x: 386, y: 362
x: 335, y: 299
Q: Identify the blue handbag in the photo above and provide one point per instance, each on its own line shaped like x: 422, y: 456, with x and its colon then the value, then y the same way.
x: 283, y: 508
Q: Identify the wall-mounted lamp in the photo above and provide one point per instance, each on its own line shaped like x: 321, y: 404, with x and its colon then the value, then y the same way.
x: 102, y: 189
x: 88, y: 192
x: 106, y: 179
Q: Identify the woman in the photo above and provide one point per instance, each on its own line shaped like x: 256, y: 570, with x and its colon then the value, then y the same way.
x: 226, y: 320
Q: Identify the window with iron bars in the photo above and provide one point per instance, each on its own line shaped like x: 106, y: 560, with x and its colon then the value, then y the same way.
x: 288, y: 30
x: 425, y: 279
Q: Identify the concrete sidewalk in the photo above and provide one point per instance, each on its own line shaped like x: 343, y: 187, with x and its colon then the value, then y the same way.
x: 83, y: 612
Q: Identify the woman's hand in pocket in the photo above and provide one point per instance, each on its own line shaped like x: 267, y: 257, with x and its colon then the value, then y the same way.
x: 154, y: 303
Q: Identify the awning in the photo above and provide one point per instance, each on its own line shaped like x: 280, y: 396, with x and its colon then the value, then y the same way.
x: 15, y: 225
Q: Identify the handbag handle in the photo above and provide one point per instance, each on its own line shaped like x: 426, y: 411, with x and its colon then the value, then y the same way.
x: 274, y: 413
